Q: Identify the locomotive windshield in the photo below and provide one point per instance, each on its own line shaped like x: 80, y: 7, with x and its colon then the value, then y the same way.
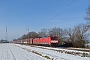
x: 54, y: 38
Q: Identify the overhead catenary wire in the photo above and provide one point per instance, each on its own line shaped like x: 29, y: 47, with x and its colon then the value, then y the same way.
x: 63, y: 9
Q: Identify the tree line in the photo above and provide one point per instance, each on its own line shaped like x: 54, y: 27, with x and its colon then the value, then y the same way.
x: 78, y: 35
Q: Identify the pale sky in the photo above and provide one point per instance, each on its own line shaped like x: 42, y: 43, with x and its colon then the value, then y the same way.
x: 18, y: 15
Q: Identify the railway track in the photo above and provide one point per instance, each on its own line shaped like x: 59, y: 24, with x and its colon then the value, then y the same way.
x: 27, y: 55
x: 73, y: 51
x: 50, y: 52
x: 80, y: 49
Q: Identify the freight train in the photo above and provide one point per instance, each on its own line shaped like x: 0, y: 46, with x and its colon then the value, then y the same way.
x: 47, y: 41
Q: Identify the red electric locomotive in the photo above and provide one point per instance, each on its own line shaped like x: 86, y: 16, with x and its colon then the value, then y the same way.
x: 50, y: 41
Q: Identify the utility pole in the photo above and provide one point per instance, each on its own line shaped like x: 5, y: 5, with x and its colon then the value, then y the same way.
x: 28, y: 35
x: 6, y: 35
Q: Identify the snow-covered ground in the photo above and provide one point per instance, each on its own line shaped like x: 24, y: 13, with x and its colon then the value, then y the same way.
x: 12, y: 52
x: 23, y: 52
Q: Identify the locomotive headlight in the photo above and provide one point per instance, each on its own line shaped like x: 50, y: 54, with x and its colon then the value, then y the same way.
x: 54, y: 41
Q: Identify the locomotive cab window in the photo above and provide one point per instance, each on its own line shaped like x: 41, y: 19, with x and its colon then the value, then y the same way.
x: 54, y: 38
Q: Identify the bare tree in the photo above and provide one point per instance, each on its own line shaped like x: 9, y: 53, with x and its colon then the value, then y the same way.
x: 23, y: 36
x: 88, y: 13
x: 32, y: 34
x: 78, y: 35
x: 57, y: 32
x: 71, y: 34
x: 43, y: 33
x: 81, y: 34
x: 29, y: 35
